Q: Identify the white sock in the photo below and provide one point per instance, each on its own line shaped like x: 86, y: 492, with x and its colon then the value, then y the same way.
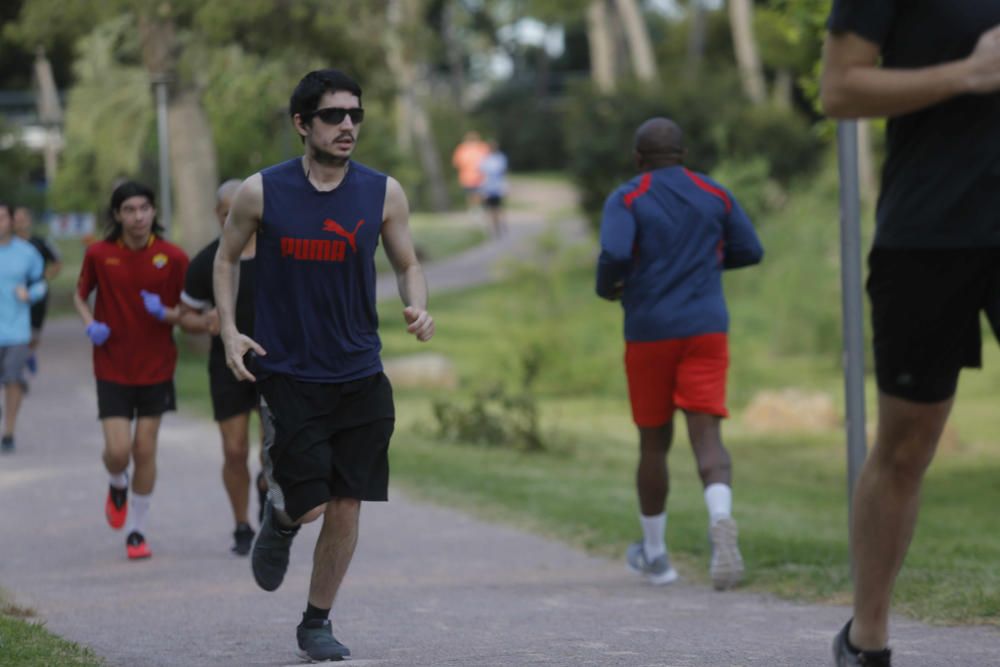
x: 120, y: 481
x: 654, y: 529
x: 138, y: 511
x: 719, y: 499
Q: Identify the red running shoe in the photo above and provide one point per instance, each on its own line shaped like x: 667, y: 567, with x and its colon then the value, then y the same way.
x: 136, y: 547
x: 116, y: 507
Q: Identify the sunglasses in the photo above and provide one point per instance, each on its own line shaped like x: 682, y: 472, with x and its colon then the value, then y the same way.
x: 335, y: 115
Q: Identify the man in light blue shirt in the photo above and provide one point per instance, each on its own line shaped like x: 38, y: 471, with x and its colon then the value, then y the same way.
x: 22, y: 283
x: 493, y: 168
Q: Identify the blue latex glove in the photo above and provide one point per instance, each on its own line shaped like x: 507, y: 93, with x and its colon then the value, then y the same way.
x: 153, y: 305
x: 98, y: 332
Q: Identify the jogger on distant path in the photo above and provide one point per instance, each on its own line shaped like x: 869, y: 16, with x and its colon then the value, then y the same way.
x: 318, y: 221
x: 23, y: 224
x: 666, y: 237
x: 232, y: 400
x: 22, y: 283
x: 933, y: 68
x: 138, y: 277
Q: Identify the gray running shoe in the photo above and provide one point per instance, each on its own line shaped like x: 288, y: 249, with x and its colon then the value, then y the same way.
x: 727, y: 564
x: 316, y: 642
x: 843, y: 656
x: 269, y: 559
x: 657, y: 571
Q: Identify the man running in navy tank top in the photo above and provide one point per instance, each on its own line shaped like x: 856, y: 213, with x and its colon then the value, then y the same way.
x: 318, y: 221
x: 666, y: 237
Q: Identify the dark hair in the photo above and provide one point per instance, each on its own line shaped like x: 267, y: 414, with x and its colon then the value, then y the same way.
x: 127, y: 190
x: 306, y: 96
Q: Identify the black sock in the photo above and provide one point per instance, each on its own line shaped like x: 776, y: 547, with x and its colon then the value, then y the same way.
x: 315, y: 614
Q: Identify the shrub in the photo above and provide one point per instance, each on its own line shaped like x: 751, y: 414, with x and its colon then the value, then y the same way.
x: 525, y: 127
x: 718, y: 126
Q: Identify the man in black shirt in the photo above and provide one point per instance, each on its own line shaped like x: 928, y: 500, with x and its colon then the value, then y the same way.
x: 933, y: 68
x: 53, y: 265
x: 232, y: 401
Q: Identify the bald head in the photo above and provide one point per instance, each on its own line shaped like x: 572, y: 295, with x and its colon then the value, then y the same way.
x: 659, y: 142
x: 224, y: 198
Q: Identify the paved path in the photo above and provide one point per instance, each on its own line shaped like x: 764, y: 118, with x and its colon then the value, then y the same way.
x: 429, y: 585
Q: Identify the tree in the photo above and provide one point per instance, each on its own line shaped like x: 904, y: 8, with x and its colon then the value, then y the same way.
x: 412, y: 115
x: 637, y: 36
x: 603, y: 62
x: 745, y: 46
x: 192, y: 164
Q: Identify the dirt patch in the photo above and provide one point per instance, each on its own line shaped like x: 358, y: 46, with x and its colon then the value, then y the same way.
x: 791, y: 410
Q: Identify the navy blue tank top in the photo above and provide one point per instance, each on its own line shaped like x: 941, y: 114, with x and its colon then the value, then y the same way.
x: 315, y: 293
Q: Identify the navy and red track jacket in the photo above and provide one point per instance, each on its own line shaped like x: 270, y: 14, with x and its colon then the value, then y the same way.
x: 666, y: 237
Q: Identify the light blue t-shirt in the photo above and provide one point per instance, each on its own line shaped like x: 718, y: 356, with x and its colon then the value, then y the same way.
x: 20, y: 264
x: 493, y: 167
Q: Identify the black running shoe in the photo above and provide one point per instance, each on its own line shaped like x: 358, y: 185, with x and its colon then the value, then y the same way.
x: 242, y: 539
x: 7, y: 444
x: 269, y: 560
x: 316, y: 641
x: 844, y: 656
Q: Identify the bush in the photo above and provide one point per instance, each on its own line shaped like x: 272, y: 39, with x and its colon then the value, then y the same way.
x: 782, y: 137
x: 525, y: 127
x: 496, y: 416
x: 717, y: 123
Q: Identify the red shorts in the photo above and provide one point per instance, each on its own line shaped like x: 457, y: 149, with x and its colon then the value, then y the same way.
x: 685, y: 373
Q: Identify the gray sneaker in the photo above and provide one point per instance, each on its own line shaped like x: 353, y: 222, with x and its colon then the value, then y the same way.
x: 269, y: 559
x: 316, y: 642
x: 727, y: 564
x: 843, y: 656
x: 656, y: 571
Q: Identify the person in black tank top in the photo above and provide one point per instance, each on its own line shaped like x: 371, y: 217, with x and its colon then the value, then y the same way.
x: 232, y: 400
x: 932, y: 67
x: 315, y: 346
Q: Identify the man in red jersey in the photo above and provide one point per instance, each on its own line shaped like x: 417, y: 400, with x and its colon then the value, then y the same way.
x: 138, y: 277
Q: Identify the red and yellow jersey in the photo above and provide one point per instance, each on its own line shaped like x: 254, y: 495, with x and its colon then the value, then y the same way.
x: 140, y: 349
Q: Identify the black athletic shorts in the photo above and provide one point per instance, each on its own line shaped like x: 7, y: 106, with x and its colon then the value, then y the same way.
x: 925, y: 306
x: 132, y: 401
x: 230, y: 397
x: 493, y: 201
x: 330, y: 440
x: 38, y: 311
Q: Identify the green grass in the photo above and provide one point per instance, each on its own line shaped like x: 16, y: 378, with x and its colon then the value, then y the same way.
x: 438, y: 237
x: 790, y: 490
x: 25, y: 642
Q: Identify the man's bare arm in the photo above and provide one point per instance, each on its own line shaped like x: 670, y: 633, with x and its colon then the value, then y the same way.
x: 399, y: 249
x: 853, y: 85
x: 195, y: 321
x: 243, y: 221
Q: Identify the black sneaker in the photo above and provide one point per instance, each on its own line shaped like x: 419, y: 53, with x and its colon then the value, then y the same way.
x: 316, y: 642
x: 7, y: 444
x: 269, y: 560
x: 845, y: 656
x: 242, y: 539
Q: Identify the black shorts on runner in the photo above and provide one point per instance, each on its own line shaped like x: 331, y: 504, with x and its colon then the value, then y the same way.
x: 330, y: 440
x: 925, y: 306
x: 230, y: 397
x: 493, y: 201
x: 123, y: 400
